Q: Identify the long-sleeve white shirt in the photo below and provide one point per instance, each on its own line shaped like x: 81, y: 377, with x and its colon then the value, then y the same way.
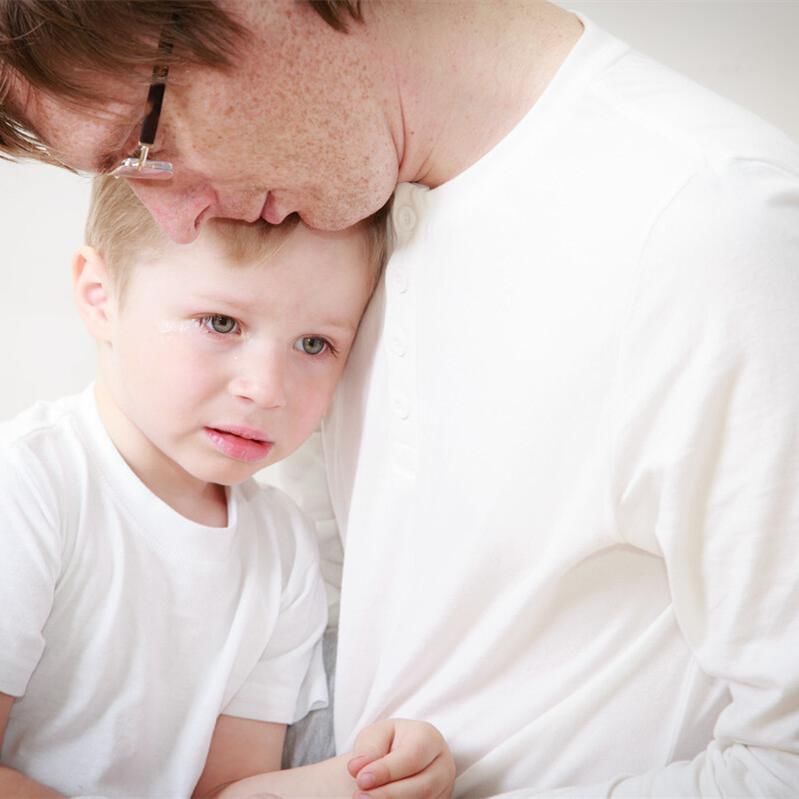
x: 565, y: 455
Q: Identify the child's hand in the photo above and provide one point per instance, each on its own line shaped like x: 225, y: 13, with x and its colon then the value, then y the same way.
x: 401, y: 759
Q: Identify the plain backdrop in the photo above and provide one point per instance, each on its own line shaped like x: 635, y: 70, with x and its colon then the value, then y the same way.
x: 746, y: 51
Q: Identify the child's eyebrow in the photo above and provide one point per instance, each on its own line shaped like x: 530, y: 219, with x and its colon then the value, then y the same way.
x: 341, y: 325
x: 216, y: 299
x: 231, y: 305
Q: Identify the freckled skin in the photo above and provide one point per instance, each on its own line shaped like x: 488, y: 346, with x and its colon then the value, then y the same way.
x: 320, y: 143
x: 298, y: 116
x: 319, y: 121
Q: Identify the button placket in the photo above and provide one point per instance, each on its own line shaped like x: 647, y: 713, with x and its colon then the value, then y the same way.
x: 400, y: 331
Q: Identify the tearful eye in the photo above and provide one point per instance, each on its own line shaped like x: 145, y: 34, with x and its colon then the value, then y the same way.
x: 219, y: 323
x: 311, y: 345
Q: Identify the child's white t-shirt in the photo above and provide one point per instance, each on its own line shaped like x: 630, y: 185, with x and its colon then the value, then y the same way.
x: 126, y: 629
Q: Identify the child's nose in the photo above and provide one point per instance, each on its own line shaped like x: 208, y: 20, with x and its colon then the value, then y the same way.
x: 260, y: 379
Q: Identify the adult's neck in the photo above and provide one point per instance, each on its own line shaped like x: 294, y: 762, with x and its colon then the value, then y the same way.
x: 467, y: 73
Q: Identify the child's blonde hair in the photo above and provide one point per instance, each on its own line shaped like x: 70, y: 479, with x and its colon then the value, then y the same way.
x: 121, y: 229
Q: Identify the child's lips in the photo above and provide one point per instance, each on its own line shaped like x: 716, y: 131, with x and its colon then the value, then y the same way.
x: 240, y: 443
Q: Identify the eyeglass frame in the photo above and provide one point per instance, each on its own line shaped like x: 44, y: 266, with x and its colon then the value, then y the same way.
x: 139, y: 166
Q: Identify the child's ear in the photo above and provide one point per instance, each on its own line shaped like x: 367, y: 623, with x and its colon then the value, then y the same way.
x: 94, y: 295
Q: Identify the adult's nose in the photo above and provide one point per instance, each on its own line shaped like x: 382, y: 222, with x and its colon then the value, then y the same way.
x: 177, y: 209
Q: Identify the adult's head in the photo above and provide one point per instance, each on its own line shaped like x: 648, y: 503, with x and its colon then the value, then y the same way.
x: 268, y: 109
x: 311, y: 106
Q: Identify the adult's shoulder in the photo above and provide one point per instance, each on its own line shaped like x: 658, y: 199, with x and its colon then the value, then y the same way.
x: 686, y: 120
x: 726, y: 243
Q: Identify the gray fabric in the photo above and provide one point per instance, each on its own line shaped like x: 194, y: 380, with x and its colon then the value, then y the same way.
x: 311, y: 738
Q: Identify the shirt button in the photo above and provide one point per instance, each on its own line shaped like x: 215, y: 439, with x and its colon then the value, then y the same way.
x: 401, y: 407
x: 399, y: 278
x: 406, y: 218
x: 397, y: 346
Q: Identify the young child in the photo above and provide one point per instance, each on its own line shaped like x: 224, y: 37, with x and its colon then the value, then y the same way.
x: 161, y: 612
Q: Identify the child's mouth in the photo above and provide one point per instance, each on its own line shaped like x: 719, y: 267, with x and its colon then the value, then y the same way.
x: 240, y: 443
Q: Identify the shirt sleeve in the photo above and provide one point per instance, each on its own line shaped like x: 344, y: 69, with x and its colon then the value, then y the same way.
x: 30, y: 562
x: 707, y: 468
x: 289, y: 679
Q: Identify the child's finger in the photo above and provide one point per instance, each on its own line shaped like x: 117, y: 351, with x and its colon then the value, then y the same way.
x: 403, y: 762
x: 355, y: 764
x: 435, y: 782
x: 371, y: 744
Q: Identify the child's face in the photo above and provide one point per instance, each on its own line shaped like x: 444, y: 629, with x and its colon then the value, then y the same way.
x: 224, y: 369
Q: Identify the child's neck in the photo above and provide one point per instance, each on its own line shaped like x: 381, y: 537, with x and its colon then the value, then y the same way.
x: 196, y: 500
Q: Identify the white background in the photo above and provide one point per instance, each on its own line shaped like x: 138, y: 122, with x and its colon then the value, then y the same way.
x: 744, y: 50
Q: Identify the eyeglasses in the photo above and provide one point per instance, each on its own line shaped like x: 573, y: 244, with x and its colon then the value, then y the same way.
x: 140, y: 166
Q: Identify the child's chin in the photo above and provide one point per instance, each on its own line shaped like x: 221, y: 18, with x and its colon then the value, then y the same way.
x: 230, y: 474
x: 229, y: 480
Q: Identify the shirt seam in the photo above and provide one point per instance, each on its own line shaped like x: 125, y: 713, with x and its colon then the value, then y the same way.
x: 617, y: 394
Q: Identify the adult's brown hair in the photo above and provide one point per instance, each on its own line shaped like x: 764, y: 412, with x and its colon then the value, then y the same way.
x: 65, y: 48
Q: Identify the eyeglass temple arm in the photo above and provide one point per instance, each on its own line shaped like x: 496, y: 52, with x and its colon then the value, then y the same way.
x: 155, y: 96
x: 155, y: 99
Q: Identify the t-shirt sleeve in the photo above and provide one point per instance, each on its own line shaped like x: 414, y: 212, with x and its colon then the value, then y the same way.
x: 30, y: 561
x: 289, y: 679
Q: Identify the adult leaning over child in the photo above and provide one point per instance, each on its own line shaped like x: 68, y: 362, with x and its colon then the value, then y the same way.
x: 564, y: 458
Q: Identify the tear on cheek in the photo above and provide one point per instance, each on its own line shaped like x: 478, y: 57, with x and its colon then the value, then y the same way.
x: 181, y: 326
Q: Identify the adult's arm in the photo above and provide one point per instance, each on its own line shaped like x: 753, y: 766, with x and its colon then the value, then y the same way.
x: 706, y: 468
